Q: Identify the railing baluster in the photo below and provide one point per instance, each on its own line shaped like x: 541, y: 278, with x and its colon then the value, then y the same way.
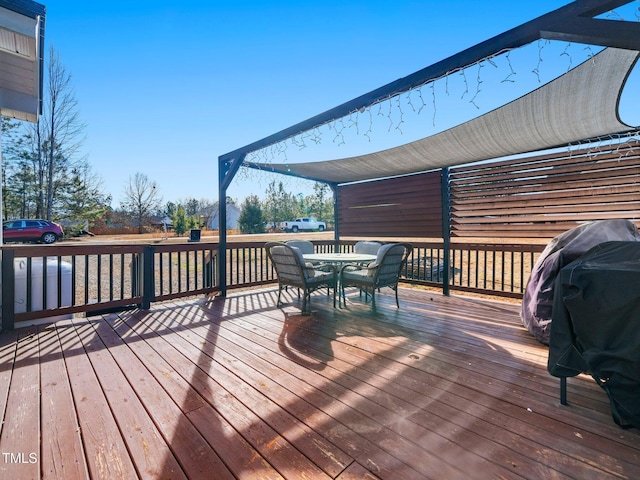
x: 188, y: 270
x: 111, y: 276
x: 73, y: 280
x: 29, y: 282
x: 86, y: 279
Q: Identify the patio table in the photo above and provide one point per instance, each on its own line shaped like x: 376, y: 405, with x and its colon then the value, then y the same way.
x: 339, y: 258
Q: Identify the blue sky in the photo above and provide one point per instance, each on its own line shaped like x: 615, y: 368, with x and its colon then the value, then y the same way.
x: 166, y: 87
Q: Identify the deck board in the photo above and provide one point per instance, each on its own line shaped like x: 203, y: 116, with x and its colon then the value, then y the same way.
x: 106, y: 452
x: 62, y: 452
x: 240, y: 456
x: 255, y: 413
x: 288, y: 390
x: 397, y: 398
x: 186, y: 443
x: 444, y: 387
x: 19, y: 443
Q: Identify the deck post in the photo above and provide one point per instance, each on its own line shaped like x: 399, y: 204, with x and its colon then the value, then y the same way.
x: 8, y: 289
x: 148, y: 284
x: 446, y: 227
x: 336, y: 226
x: 227, y: 169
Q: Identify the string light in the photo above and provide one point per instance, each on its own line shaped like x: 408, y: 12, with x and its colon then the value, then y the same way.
x: 614, y: 15
x: 394, y: 110
x: 478, y: 82
x: 409, y: 100
x: 624, y: 144
x: 316, y: 136
x: 466, y: 85
x: 354, y: 123
x: 370, y: 129
x: 590, y: 54
x: 422, y: 102
x: 433, y: 98
x: 566, y: 52
x: 536, y: 71
x: 512, y: 72
x: 401, y: 121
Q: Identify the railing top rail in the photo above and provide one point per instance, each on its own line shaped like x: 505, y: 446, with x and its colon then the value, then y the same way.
x: 187, y: 247
x: 72, y: 249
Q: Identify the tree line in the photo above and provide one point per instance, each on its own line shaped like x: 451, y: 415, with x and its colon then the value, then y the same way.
x: 46, y: 175
x: 280, y: 206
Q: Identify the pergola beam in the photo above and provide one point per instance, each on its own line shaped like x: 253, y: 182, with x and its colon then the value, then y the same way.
x: 605, y: 33
x: 567, y: 20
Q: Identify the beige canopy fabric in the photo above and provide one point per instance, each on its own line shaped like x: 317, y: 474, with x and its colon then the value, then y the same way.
x: 579, y: 105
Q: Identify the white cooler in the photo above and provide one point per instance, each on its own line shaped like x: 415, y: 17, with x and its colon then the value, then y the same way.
x: 37, y: 284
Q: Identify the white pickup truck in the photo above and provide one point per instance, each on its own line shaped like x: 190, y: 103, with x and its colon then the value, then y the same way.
x: 305, y: 224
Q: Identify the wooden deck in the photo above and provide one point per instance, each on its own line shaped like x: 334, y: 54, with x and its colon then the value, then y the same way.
x: 443, y: 388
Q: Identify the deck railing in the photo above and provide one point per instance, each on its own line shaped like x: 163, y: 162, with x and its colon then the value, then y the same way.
x: 62, y: 280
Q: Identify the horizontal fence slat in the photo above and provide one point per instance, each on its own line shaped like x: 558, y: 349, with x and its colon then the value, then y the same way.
x: 547, y: 199
x: 546, y: 195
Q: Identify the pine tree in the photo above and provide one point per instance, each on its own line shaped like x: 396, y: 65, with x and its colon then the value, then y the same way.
x: 251, y: 219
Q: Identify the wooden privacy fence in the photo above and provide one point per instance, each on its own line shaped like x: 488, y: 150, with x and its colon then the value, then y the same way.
x: 541, y: 197
x: 534, y: 197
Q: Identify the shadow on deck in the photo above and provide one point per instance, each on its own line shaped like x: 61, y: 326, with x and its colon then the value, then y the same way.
x: 444, y: 387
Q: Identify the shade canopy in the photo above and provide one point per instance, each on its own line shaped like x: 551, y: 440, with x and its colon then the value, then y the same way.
x: 582, y: 104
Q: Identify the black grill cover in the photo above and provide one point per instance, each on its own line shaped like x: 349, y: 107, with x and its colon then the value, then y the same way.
x: 596, y: 324
x: 537, y: 302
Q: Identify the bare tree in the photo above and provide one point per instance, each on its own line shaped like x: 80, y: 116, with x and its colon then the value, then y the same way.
x: 207, y: 209
x: 141, y: 199
x: 59, y: 133
x: 45, y: 176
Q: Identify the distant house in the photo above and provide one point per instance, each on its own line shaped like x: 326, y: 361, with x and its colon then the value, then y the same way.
x: 161, y: 222
x: 233, y: 214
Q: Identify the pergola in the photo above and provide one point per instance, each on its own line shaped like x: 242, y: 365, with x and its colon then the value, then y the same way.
x: 576, y: 107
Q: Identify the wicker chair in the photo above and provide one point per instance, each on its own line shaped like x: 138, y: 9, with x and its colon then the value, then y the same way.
x: 305, y: 246
x: 293, y: 271
x: 367, y: 246
x: 383, y: 272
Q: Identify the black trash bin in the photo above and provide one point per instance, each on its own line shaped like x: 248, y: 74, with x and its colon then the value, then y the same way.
x: 194, y: 235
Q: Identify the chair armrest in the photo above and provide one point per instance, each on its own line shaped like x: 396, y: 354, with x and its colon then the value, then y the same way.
x: 324, y: 268
x: 355, y: 266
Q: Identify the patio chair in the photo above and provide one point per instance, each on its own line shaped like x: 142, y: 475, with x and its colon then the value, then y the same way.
x: 305, y: 246
x: 367, y: 246
x: 292, y: 270
x: 383, y: 272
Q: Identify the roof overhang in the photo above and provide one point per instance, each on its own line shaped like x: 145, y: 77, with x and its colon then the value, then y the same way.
x: 21, y: 59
